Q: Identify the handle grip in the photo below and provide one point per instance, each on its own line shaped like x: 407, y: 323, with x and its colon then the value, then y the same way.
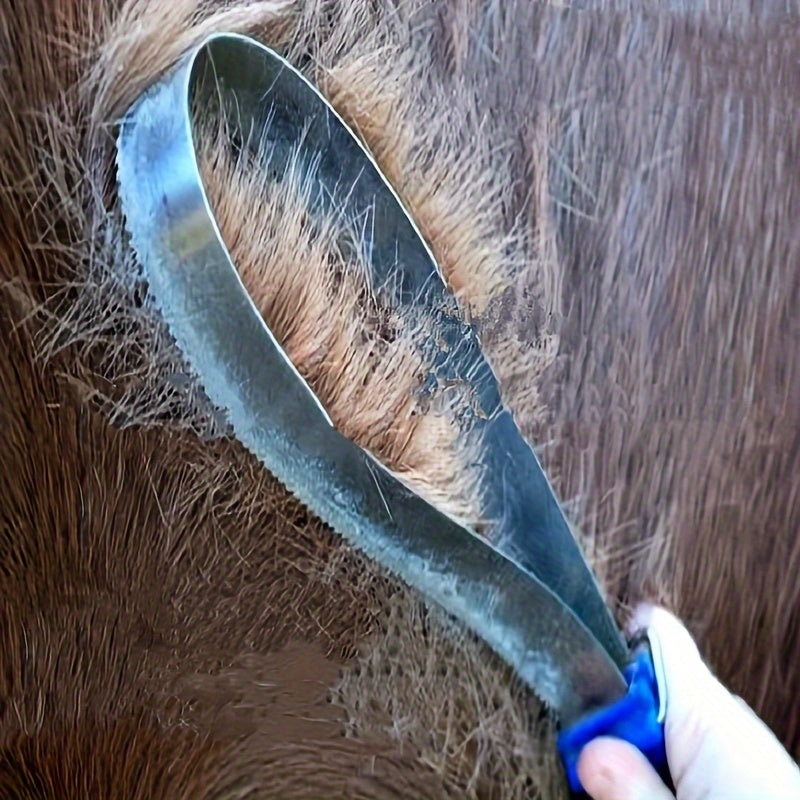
x: 638, y: 718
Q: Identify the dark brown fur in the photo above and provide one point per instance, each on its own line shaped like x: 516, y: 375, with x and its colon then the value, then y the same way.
x: 158, y: 589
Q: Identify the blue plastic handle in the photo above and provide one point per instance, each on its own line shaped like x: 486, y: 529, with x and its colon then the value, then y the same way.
x: 634, y: 718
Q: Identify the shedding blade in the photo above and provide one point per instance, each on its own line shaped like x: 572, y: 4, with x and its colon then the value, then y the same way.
x: 277, y: 417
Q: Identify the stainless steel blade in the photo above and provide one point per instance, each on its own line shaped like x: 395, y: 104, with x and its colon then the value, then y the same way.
x: 278, y: 112
x: 528, y: 621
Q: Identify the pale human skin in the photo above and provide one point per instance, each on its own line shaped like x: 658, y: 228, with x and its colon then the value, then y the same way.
x: 717, y: 748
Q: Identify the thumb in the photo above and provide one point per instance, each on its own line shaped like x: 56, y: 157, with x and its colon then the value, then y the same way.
x: 611, y: 769
x: 716, y: 745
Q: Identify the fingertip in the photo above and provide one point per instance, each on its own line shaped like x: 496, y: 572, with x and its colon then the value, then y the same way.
x: 611, y: 769
x: 669, y: 628
x: 690, y: 684
x: 598, y: 769
x: 656, y: 619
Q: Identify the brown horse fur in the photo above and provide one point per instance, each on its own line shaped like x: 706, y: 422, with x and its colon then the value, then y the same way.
x: 361, y: 359
x: 610, y: 190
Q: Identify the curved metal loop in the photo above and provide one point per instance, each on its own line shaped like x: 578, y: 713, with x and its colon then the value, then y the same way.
x: 529, y: 594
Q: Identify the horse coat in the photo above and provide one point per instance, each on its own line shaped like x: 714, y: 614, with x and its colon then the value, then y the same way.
x: 611, y: 192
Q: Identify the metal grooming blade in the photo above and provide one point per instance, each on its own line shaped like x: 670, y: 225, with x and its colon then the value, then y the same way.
x: 528, y: 591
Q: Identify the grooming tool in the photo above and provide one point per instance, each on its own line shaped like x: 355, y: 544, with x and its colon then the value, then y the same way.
x: 524, y: 587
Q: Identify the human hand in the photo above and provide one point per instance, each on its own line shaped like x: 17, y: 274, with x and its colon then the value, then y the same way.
x: 717, y: 748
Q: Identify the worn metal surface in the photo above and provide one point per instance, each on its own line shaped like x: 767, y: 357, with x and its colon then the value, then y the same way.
x: 529, y: 594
